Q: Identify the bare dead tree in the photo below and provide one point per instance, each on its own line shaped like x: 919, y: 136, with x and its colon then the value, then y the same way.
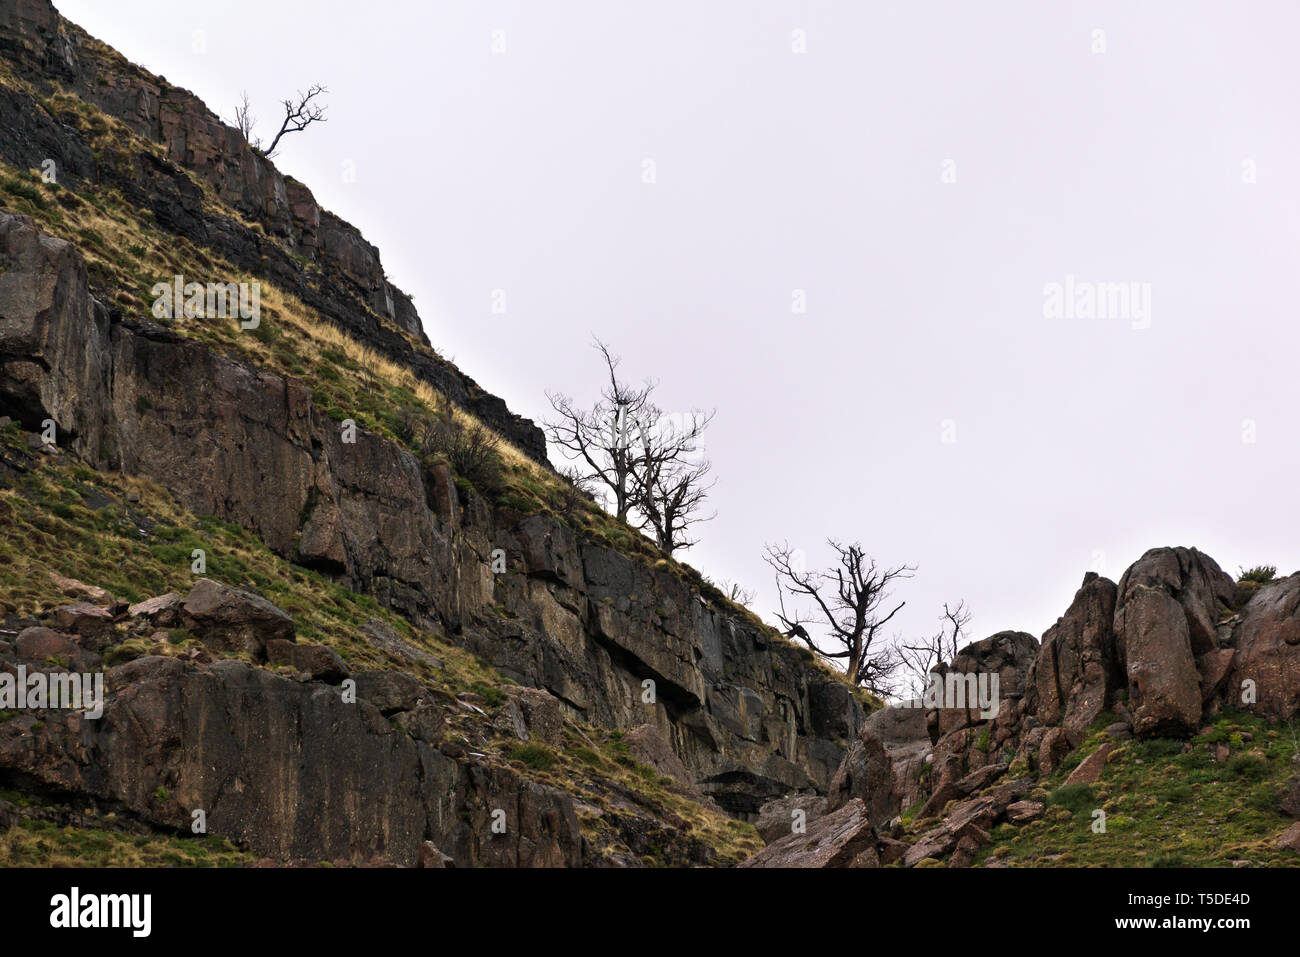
x: 735, y: 592
x: 245, y: 121
x: 940, y: 648
x: 299, y: 114
x: 602, y: 437
x: 624, y: 440
x: 669, y: 494
x: 849, y: 599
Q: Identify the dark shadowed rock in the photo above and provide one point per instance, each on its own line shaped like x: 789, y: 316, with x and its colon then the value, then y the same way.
x: 316, y: 661
x: 230, y: 619
x: 389, y: 691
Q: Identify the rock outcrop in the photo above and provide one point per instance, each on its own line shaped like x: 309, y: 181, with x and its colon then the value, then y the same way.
x: 617, y: 642
x: 345, y: 282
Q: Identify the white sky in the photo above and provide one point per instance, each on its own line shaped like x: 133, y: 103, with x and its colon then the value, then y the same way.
x: 1079, y: 442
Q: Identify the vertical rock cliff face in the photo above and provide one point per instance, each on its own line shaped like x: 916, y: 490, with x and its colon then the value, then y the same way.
x: 620, y: 643
x: 197, y: 150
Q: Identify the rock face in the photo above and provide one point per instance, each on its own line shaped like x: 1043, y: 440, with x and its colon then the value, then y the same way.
x: 349, y: 286
x: 1077, y: 671
x: 750, y: 720
x: 1166, y: 616
x: 843, y: 838
x: 1268, y: 651
x: 287, y: 769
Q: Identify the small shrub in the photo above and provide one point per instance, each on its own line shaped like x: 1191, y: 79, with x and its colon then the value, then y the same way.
x: 1260, y: 574
x: 1074, y: 797
x: 536, y: 756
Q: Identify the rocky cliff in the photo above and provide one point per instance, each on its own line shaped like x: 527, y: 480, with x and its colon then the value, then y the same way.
x: 261, y: 221
x: 1173, y: 659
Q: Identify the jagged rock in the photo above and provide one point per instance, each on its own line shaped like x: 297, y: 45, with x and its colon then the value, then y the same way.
x: 776, y: 819
x: 230, y: 619
x: 1090, y: 768
x: 865, y: 774
x: 1268, y: 651
x: 1022, y: 812
x: 390, y: 691
x: 541, y: 714
x: 1077, y: 670
x: 92, y: 623
x: 979, y: 779
x: 163, y: 610
x: 648, y: 746
x: 316, y: 661
x: 842, y: 838
x: 379, y: 634
x: 1166, y: 616
x: 287, y: 769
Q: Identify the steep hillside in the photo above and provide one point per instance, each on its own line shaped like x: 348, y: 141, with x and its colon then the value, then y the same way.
x: 512, y: 647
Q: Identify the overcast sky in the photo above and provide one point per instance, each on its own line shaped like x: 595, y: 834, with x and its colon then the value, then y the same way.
x: 918, y: 176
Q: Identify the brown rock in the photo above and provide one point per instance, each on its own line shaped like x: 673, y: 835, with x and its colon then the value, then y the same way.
x: 777, y: 818
x: 162, y: 610
x: 1268, y: 651
x: 649, y: 746
x: 1090, y: 768
x: 1290, y: 839
x: 430, y: 856
x: 38, y: 644
x: 1022, y: 812
x: 92, y: 623
x: 316, y: 661
x: 75, y: 589
x: 1078, y: 670
x: 843, y: 838
x: 230, y: 619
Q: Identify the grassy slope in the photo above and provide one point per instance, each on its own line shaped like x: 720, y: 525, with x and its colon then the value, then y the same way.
x: 66, y: 519
x: 1164, y: 807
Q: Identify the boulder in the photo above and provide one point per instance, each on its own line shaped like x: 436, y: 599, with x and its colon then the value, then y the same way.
x: 390, y: 691
x: 776, y: 818
x: 38, y: 644
x: 232, y: 620
x: 316, y: 661
x: 163, y: 611
x: 1164, y: 685
x: 1090, y: 768
x: 1022, y: 812
x: 843, y: 838
x: 1289, y: 840
x: 1077, y: 670
x: 1166, y: 617
x: 1268, y: 651
x: 92, y: 623
x: 541, y: 713
x: 865, y: 774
